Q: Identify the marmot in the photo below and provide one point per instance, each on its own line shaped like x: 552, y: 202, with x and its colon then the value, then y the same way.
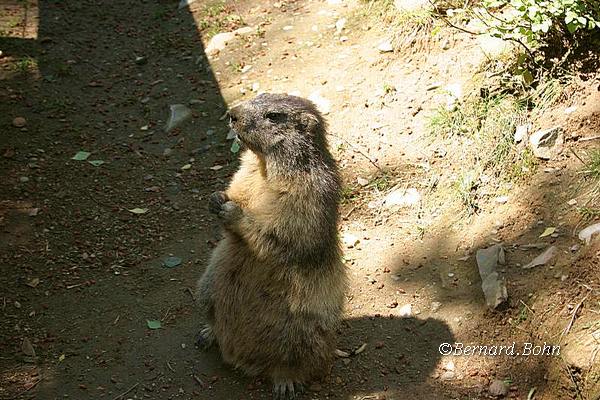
x: 273, y: 292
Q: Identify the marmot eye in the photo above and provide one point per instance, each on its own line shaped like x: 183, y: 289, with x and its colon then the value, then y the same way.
x: 276, y: 117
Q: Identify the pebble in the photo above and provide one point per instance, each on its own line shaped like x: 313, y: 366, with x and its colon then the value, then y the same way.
x: 19, y: 122
x: 498, y: 388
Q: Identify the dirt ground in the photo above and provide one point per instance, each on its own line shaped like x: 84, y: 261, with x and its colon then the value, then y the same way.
x: 82, y: 275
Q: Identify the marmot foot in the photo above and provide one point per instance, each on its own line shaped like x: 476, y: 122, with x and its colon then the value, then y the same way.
x: 286, y: 389
x: 205, y: 338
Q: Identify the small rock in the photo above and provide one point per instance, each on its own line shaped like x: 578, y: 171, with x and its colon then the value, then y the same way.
x: 587, y: 233
x: 435, y: 305
x: 547, y: 144
x: 572, y: 202
x: 448, y: 375
x: 179, y: 114
x: 494, y: 287
x: 498, y: 388
x: 362, y: 181
x: 543, y: 258
x: 570, y: 110
x: 402, y: 198
x: 24, y: 179
x: 218, y: 42
x: 405, y: 311
x: 385, y: 47
x: 19, y: 122
x: 141, y: 60
x: 521, y: 132
x: 350, y: 240
x: 340, y: 24
x: 243, y: 31
x: 574, y: 248
x: 501, y: 199
x: 288, y: 28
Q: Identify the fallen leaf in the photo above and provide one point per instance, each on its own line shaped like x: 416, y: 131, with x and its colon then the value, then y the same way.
x: 216, y: 167
x: 138, y: 210
x: 235, y: 147
x: 171, y: 262
x: 81, y: 156
x: 61, y: 358
x: 153, y: 324
x: 186, y: 166
x: 549, y: 231
x: 96, y: 163
x: 33, y: 282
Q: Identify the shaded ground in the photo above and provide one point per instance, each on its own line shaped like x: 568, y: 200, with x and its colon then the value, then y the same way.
x: 81, y: 274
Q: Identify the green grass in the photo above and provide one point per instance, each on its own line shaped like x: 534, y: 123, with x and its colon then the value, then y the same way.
x: 466, y: 189
x: 414, y: 29
x: 591, y: 171
x: 592, y: 167
x: 479, y: 134
x: 218, y: 17
x: 25, y: 64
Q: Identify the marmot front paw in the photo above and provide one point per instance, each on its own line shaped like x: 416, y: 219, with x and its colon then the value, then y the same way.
x: 216, y: 201
x: 230, y: 211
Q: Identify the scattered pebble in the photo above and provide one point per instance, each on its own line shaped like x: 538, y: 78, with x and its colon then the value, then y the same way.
x: 498, y: 388
x: 385, y: 47
x: 405, y: 311
x: 19, y: 122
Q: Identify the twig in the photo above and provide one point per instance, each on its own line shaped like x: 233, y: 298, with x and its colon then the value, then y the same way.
x: 568, y: 327
x: 171, y: 368
x: 573, y: 380
x: 349, y: 212
x: 357, y: 150
x: 191, y: 293
x: 127, y: 391
x: 527, y: 307
x: 31, y: 387
x: 589, y: 138
x: 575, y: 154
x: 198, y: 380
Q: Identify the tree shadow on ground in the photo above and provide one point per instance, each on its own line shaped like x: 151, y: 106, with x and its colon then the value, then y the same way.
x: 80, y: 273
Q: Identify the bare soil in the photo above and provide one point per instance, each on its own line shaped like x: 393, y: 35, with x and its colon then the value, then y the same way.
x: 82, y: 275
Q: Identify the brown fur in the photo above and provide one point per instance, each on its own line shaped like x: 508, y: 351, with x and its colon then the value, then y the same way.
x: 273, y: 292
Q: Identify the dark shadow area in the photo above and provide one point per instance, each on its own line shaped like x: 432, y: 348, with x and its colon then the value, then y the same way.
x: 80, y: 273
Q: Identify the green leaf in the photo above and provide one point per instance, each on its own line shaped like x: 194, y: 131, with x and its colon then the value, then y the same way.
x: 171, y: 262
x: 549, y: 231
x: 153, y: 324
x: 235, y: 147
x: 138, y: 210
x: 96, y: 163
x: 81, y: 156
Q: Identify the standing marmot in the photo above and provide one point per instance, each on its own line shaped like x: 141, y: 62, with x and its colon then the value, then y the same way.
x: 273, y: 292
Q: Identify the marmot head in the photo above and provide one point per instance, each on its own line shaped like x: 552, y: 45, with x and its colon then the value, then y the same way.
x: 280, y: 126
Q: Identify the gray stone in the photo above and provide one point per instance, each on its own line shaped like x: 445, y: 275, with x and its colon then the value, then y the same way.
x: 498, y: 388
x: 179, y: 114
x: 543, y: 258
x: 493, y: 286
x: 547, y: 144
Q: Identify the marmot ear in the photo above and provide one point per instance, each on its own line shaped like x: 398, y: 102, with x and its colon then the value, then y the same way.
x: 308, y: 121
